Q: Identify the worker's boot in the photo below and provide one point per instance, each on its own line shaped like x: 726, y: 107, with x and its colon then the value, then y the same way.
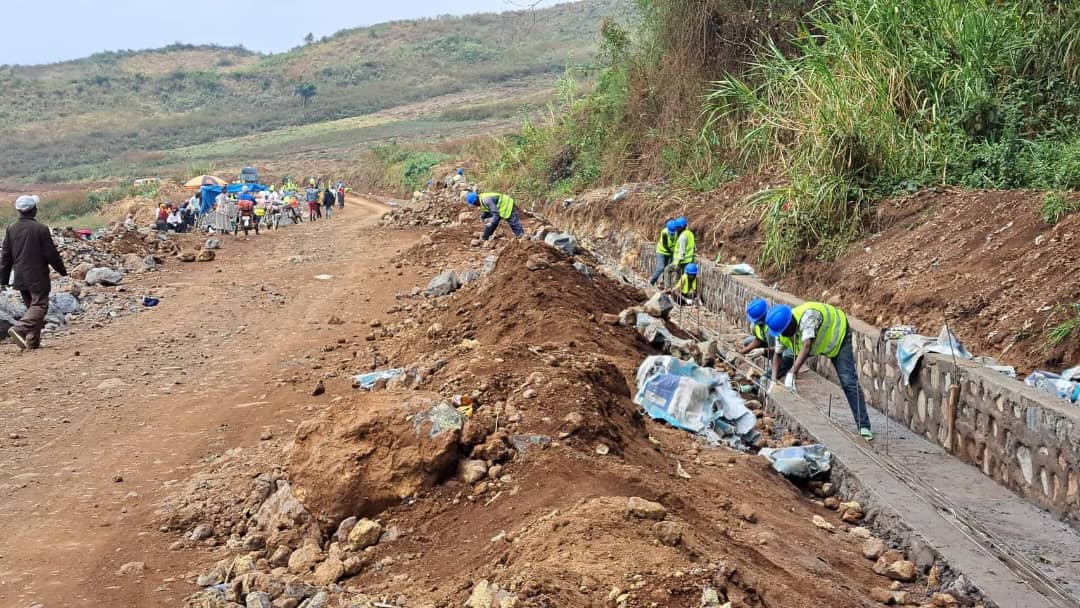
x: 18, y: 338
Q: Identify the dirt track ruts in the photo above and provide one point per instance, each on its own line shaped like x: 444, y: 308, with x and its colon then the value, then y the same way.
x: 148, y: 398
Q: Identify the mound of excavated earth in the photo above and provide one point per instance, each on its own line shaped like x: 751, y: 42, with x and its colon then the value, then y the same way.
x: 505, y: 464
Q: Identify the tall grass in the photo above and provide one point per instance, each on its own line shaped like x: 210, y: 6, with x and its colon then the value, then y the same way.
x: 879, y: 96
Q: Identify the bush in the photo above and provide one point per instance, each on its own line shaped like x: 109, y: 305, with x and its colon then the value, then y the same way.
x: 881, y: 95
x: 1056, y: 206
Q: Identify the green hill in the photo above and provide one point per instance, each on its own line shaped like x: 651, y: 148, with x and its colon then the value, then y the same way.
x: 119, y: 113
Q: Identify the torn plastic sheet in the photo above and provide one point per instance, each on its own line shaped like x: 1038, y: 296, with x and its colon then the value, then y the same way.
x: 367, y: 381
x: 804, y: 462
x: 696, y: 399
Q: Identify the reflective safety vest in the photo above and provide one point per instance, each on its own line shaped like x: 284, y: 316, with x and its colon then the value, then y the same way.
x: 829, y: 336
x: 665, y: 245
x: 689, y: 255
x: 761, y: 332
x: 688, y: 284
x: 505, y: 203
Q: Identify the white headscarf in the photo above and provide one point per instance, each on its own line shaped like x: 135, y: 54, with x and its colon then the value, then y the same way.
x: 26, y: 202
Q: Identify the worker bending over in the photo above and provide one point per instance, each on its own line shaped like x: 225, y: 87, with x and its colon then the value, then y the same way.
x: 813, y: 329
x: 759, y: 337
x: 496, y: 207
x: 685, y: 290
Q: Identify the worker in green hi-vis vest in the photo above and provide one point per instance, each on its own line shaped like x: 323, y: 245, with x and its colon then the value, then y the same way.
x: 813, y: 329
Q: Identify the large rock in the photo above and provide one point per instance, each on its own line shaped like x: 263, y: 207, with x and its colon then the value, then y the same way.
x: 257, y: 599
x: 305, y: 558
x: 443, y: 284
x: 660, y: 305
x: 79, y: 272
x: 282, y: 510
x: 212, y: 243
x: 104, y: 276
x: 65, y: 303
x: 360, y: 460
x: 133, y: 262
x: 901, y: 570
x: 328, y: 572
x: 472, y: 471
x: 365, y: 533
x: 562, y: 240
x: 645, y: 509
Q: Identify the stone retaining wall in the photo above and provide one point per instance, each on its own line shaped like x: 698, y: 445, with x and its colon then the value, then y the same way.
x: 1022, y: 438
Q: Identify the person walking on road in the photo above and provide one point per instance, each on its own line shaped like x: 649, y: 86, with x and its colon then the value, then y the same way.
x: 665, y: 248
x: 496, y: 207
x: 29, y: 251
x: 328, y: 202
x: 813, y: 329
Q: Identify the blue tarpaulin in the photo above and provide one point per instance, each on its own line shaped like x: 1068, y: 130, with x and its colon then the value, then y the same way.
x: 207, y: 196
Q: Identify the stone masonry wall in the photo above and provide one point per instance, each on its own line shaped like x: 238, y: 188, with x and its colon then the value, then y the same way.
x: 1023, y: 439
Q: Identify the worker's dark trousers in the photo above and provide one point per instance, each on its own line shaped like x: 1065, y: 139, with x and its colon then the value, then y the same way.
x: 31, y: 323
x: 848, y: 375
x: 662, y: 262
x: 514, y: 221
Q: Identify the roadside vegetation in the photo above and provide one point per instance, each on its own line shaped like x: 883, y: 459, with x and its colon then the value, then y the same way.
x: 844, y: 102
x: 79, y: 208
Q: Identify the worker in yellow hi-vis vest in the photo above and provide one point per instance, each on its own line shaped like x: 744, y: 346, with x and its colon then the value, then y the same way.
x: 496, y: 207
x: 813, y: 329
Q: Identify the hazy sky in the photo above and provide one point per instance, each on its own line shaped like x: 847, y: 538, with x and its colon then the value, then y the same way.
x: 45, y: 31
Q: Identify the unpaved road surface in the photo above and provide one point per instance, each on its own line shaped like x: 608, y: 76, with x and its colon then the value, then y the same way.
x: 98, y: 425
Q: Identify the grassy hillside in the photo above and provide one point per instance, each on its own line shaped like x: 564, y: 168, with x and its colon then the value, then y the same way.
x: 843, y: 103
x: 119, y: 112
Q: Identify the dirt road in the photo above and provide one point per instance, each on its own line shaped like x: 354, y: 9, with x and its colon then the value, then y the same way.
x: 99, y: 425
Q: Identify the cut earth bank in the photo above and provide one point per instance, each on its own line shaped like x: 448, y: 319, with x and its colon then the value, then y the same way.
x: 556, y: 492
x: 1024, y: 439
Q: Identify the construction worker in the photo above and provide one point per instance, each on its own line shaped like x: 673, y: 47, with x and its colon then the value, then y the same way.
x: 496, y: 207
x: 685, y: 246
x: 760, y: 338
x: 813, y: 329
x: 665, y: 248
x: 686, y: 289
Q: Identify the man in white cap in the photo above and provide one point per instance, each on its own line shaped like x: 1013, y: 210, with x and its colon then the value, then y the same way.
x: 29, y: 251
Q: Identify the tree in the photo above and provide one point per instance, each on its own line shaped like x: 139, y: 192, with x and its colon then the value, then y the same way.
x: 309, y: 38
x: 306, y: 91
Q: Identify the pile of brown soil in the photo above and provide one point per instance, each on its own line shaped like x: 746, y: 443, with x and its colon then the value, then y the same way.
x: 556, y: 491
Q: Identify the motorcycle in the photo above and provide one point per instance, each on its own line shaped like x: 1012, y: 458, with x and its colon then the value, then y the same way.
x: 246, y: 222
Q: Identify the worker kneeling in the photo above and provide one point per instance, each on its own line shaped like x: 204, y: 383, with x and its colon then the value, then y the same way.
x: 686, y: 289
x: 813, y: 329
x: 496, y: 207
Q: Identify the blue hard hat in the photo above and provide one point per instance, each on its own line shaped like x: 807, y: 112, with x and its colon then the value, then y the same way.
x: 472, y: 198
x: 691, y: 269
x: 778, y: 319
x: 681, y: 223
x: 461, y: 172
x: 671, y: 227
x: 756, y: 310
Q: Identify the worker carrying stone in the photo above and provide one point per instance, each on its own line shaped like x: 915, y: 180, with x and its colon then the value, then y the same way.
x: 29, y: 251
x: 685, y: 291
x: 496, y: 207
x: 665, y: 248
x: 759, y: 338
x: 813, y: 329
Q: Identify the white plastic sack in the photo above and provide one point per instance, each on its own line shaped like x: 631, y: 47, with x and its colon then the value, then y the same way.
x: 697, y: 399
